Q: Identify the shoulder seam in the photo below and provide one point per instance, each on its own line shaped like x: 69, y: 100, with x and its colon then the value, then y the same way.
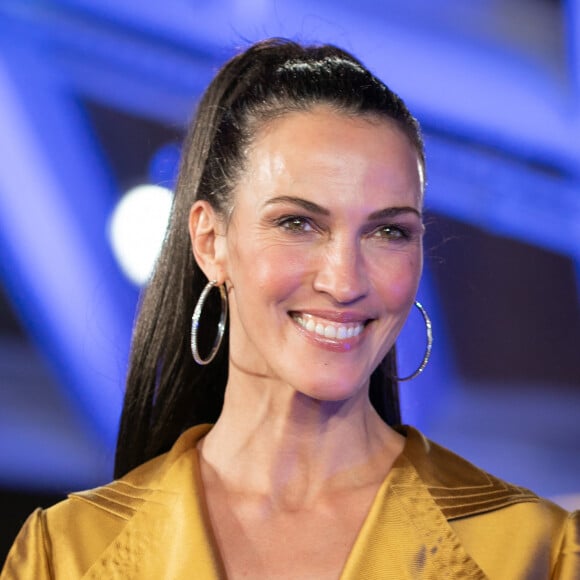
x: 490, y: 496
x: 117, y: 498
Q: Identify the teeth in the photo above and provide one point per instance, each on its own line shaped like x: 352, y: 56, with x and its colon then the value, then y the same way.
x: 332, y: 331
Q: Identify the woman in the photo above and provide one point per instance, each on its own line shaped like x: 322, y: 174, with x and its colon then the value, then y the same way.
x: 298, y: 208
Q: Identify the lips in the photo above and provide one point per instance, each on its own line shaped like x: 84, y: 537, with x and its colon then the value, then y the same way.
x: 329, y: 329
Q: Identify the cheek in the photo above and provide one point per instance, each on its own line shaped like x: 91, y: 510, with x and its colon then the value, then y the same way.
x: 272, y: 271
x: 398, y: 280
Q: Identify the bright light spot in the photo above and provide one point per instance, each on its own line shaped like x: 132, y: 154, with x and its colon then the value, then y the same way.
x: 137, y: 230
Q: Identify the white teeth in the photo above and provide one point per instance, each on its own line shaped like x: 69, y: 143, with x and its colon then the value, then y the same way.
x: 331, y: 331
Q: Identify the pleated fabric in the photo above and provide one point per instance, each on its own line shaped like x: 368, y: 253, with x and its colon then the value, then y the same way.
x: 435, y: 516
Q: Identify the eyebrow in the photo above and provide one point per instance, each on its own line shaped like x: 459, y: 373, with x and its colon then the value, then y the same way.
x: 304, y: 203
x: 394, y: 211
x: 310, y: 206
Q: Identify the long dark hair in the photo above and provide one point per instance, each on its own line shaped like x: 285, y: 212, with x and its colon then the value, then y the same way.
x: 167, y: 392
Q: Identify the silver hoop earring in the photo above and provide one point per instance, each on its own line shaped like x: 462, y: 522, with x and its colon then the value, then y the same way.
x: 221, y: 324
x: 427, y: 350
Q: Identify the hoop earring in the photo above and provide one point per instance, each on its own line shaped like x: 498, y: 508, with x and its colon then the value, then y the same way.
x: 221, y: 324
x: 427, y: 354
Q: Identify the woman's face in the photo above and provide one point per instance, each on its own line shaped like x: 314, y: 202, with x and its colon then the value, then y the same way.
x: 323, y: 252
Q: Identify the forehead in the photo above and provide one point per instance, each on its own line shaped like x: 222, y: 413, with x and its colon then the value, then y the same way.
x: 324, y: 153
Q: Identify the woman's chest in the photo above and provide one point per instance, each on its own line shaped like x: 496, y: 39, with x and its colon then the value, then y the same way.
x: 257, y: 542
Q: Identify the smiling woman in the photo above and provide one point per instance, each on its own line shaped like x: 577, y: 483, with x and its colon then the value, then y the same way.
x: 335, y: 201
x: 298, y: 213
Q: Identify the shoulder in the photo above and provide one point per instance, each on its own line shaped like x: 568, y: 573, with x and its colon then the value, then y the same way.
x: 79, y: 529
x: 492, y: 519
x: 118, y: 518
x: 119, y: 500
x: 459, y: 487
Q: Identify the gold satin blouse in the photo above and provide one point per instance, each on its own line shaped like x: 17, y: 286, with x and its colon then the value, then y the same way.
x: 435, y: 516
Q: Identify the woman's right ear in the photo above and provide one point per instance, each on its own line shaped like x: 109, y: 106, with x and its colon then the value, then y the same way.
x: 207, y: 233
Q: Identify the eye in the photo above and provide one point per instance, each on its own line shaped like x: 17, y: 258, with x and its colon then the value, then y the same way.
x: 392, y: 232
x: 295, y: 224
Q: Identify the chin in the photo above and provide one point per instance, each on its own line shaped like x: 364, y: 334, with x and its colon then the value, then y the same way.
x: 337, y: 391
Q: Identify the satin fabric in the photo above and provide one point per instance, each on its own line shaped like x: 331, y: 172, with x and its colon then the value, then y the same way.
x: 435, y: 516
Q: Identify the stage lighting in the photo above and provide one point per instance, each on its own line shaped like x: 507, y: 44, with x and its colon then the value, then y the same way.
x: 137, y: 229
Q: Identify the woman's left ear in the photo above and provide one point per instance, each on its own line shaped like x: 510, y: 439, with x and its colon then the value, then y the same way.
x: 208, y: 241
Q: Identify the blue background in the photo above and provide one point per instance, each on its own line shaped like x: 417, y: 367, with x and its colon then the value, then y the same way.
x: 94, y: 98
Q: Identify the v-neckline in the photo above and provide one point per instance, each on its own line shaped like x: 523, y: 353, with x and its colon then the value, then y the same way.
x: 411, y: 533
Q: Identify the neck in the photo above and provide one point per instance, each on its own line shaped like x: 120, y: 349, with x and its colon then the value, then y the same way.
x: 275, y: 442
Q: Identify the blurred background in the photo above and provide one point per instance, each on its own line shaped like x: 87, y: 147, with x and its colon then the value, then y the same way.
x: 95, y: 96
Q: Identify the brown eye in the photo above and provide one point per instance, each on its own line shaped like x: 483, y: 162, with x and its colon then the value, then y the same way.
x: 392, y: 233
x: 295, y: 224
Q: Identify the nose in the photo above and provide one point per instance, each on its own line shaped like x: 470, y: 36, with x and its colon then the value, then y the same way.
x: 341, y: 272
